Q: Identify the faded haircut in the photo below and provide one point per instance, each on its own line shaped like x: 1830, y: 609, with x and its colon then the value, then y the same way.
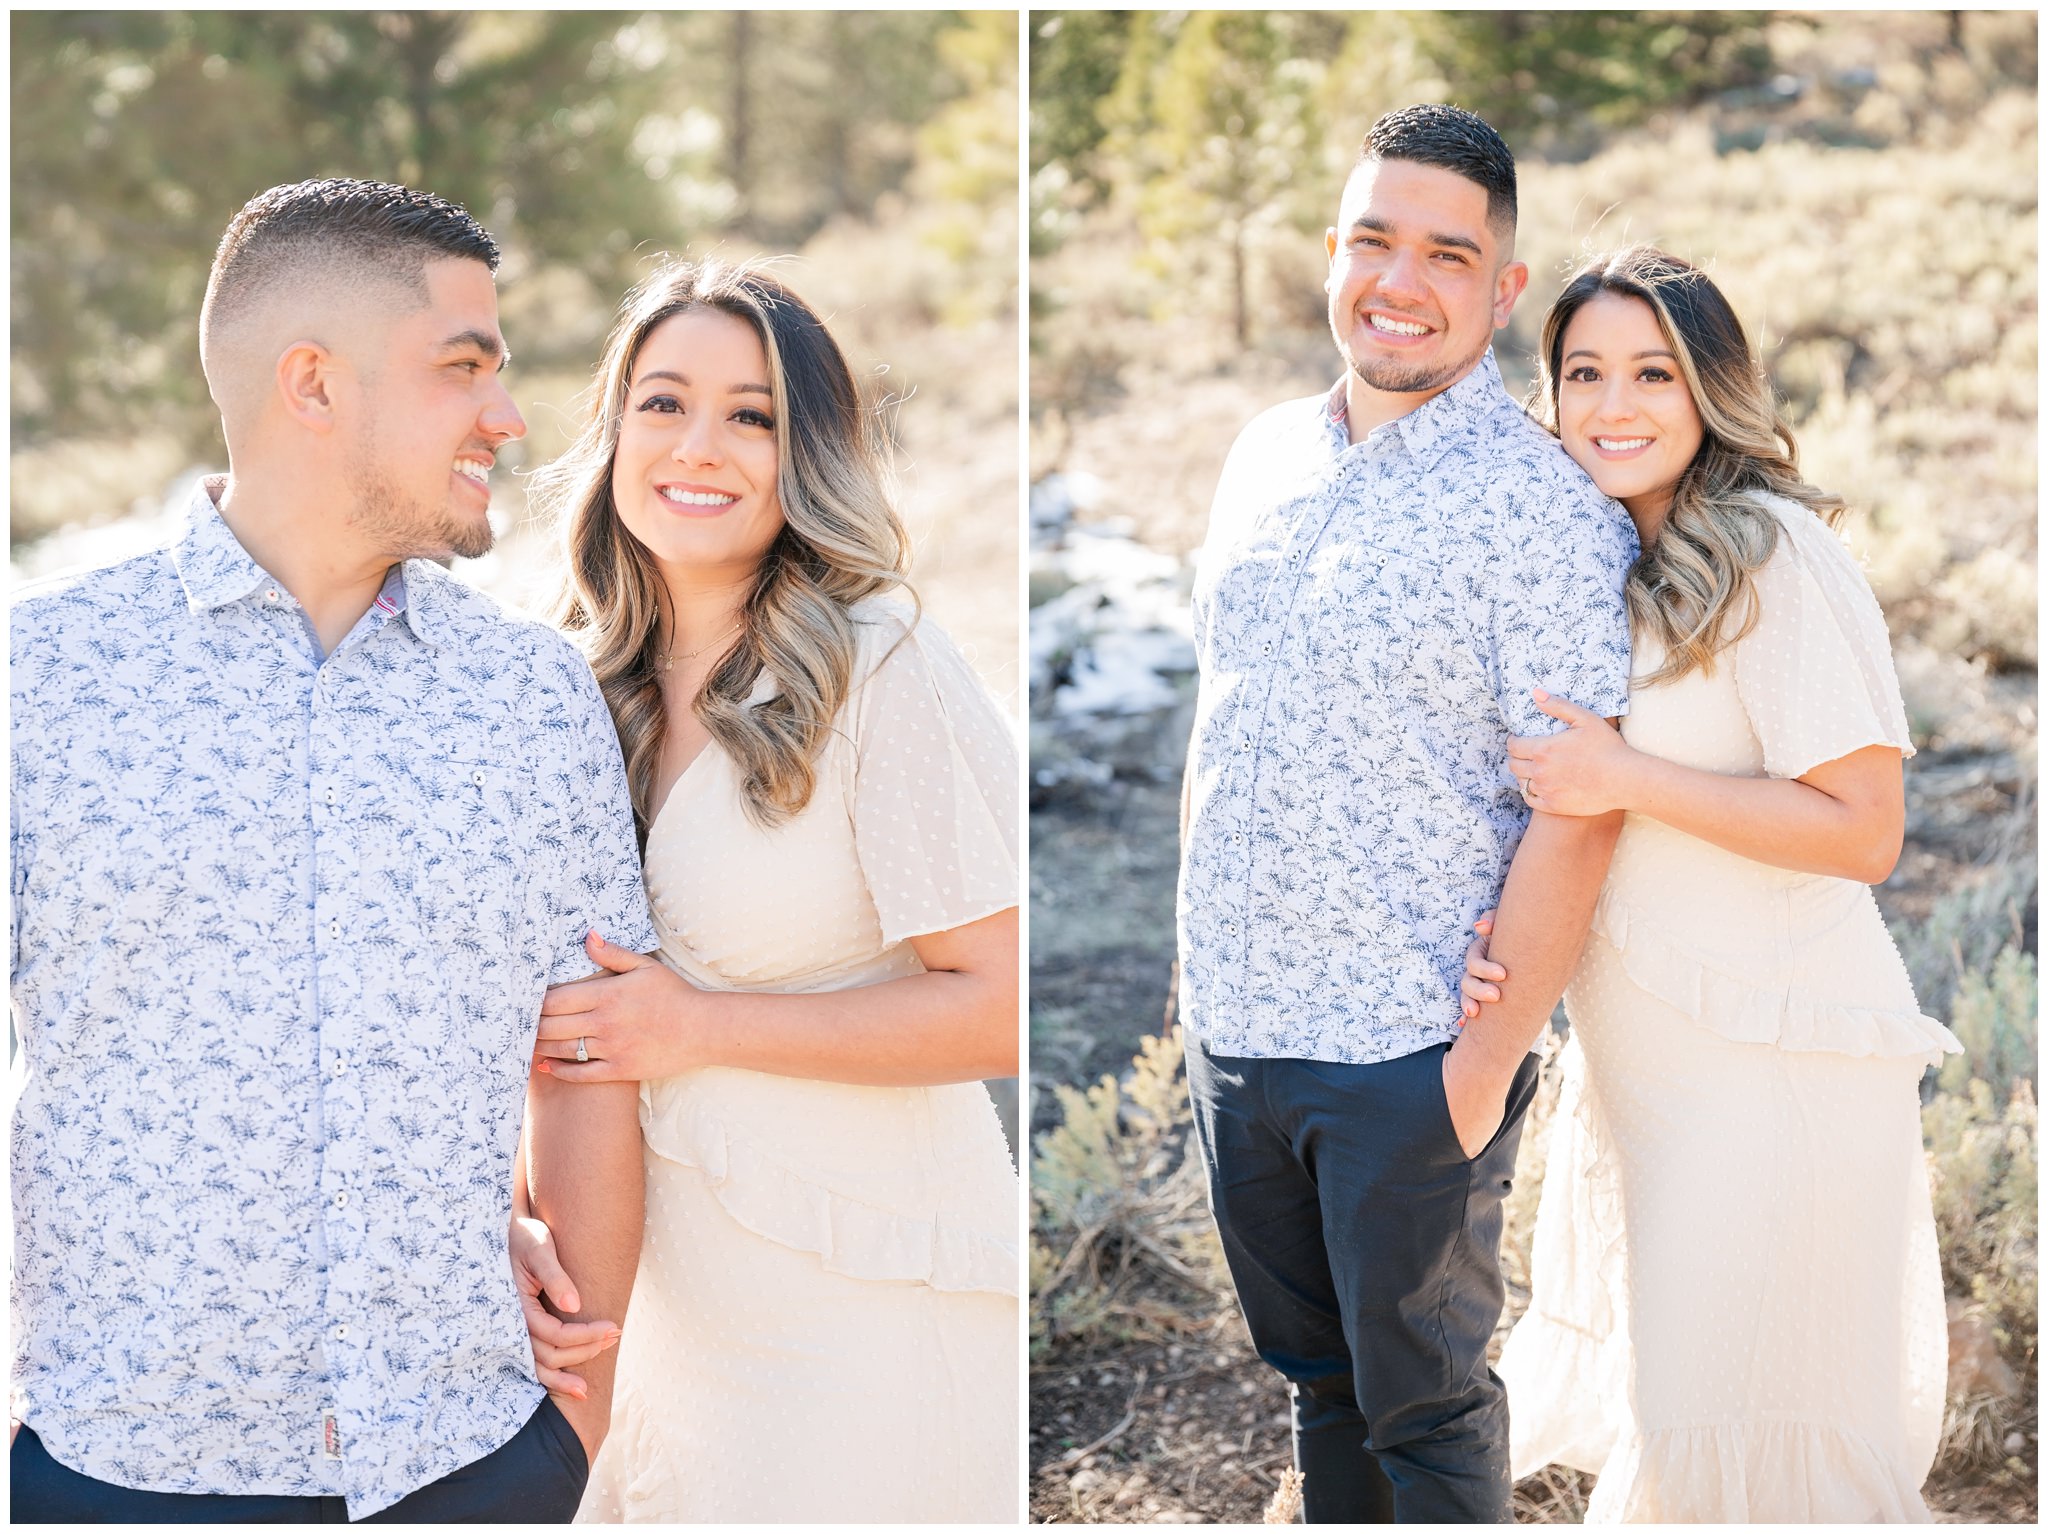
x: 322, y: 235
x: 1453, y: 139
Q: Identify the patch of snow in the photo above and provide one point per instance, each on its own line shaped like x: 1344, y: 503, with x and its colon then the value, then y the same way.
x: 1117, y: 633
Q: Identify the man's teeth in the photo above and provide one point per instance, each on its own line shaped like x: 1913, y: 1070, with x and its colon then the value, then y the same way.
x: 1397, y: 327
x: 1622, y: 444
x: 696, y: 497
x: 480, y: 472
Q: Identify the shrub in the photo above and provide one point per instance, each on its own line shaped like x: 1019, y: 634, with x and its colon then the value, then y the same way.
x: 1122, y: 1244
x: 1982, y: 1135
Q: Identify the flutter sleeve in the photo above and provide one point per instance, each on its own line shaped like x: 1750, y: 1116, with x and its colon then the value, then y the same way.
x: 936, y: 787
x: 1815, y: 674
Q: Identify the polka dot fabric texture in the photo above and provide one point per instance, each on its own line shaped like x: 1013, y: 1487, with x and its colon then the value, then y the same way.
x: 1737, y: 1314
x: 824, y: 1327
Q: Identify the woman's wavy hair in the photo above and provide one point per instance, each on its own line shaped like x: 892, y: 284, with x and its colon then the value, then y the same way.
x: 841, y: 541
x: 1700, y: 573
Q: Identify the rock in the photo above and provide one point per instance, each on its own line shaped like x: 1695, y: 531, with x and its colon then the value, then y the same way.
x: 1974, y: 1367
x: 1055, y: 499
x: 2015, y: 1442
x: 1081, y: 1482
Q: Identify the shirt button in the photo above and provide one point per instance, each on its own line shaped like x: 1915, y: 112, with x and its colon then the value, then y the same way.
x: 1237, y: 838
x: 334, y: 929
x: 341, y: 1334
x: 341, y: 1199
x: 330, y: 796
x: 270, y: 595
x: 1266, y: 648
x: 340, y: 1064
x: 479, y: 778
x: 1231, y: 928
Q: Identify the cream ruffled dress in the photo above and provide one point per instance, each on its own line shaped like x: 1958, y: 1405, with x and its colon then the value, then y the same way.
x: 1737, y: 1313
x: 825, y: 1323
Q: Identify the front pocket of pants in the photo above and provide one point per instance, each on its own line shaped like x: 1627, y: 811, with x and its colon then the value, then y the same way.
x: 1448, y: 1126
x: 565, y: 1444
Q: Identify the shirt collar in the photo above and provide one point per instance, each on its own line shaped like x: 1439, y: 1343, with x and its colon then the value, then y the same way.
x: 212, y: 564
x: 1431, y: 427
x: 216, y: 570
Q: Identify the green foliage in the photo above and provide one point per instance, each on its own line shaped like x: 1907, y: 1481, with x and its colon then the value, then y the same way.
x: 1121, y: 1235
x: 1529, y: 71
x: 1966, y: 933
x: 1984, y: 1152
x: 1076, y: 57
x: 585, y: 140
x: 1218, y: 124
x: 138, y: 134
x: 1982, y: 1130
x: 966, y: 170
x: 1997, y: 1019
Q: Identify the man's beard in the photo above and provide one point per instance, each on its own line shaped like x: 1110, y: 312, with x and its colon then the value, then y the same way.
x: 404, y: 527
x: 1390, y: 376
x: 1408, y: 378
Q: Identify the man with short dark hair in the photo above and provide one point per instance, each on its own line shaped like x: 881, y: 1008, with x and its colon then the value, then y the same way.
x: 1392, y: 569
x: 303, y: 828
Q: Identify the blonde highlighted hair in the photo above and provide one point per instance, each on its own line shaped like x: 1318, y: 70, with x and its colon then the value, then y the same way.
x: 1694, y: 588
x: 842, y: 541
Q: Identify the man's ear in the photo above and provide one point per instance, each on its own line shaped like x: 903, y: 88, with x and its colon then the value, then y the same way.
x: 306, y: 377
x: 1507, y: 287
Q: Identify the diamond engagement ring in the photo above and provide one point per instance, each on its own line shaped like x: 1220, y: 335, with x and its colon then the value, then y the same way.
x: 582, y: 1051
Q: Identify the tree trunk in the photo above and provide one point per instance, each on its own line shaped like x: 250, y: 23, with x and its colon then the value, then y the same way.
x: 423, y: 43
x: 740, y: 111
x: 838, y: 125
x: 1239, y: 300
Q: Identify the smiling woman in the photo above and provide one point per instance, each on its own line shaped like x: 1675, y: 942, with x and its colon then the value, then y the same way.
x: 824, y: 1323
x: 695, y: 474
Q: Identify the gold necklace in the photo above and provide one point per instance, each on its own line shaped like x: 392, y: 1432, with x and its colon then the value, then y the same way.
x: 669, y: 658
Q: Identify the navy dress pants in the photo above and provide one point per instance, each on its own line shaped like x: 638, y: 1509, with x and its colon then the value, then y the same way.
x: 1365, y: 1248
x: 537, y: 1476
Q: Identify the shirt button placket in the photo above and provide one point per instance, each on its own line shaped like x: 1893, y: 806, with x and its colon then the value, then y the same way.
x: 341, y: 1126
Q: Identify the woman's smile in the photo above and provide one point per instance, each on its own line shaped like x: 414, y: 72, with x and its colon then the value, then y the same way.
x: 1623, y: 409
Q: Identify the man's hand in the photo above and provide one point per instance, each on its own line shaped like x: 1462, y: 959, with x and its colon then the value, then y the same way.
x: 1478, y: 1097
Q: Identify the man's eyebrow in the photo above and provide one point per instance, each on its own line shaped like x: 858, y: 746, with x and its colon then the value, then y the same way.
x: 477, y: 340
x: 1453, y: 241
x: 745, y: 388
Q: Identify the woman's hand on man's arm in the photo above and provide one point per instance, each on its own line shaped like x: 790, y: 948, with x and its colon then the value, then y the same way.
x: 546, y: 1294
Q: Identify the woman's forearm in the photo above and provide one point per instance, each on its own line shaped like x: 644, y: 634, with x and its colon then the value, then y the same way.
x: 1851, y: 829
x: 922, y: 1030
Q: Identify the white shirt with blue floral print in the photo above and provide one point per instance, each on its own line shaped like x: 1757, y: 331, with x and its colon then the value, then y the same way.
x: 1370, y: 621
x: 282, y: 923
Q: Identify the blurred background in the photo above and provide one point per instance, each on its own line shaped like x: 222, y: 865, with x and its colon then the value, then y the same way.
x: 1863, y: 186
x: 880, y: 150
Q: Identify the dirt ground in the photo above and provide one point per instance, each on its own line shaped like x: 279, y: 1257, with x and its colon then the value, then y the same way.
x: 1182, y: 1423
x: 1195, y: 1431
